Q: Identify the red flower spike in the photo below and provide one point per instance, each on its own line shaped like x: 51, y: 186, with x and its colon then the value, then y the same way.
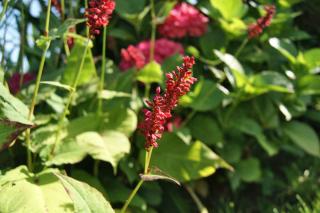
x: 163, y: 49
x: 184, y: 20
x: 98, y: 14
x: 131, y: 57
x: 256, y: 29
x: 178, y: 84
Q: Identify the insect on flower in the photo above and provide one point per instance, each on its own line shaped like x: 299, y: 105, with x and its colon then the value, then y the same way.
x: 178, y: 83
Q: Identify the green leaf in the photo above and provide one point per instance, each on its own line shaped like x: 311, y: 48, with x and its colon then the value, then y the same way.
x: 62, y: 29
x: 235, y: 67
x: 269, y: 81
x: 206, y: 96
x: 122, y: 33
x: 309, y: 85
x: 121, y: 119
x: 109, y: 94
x: 73, y: 64
x: 251, y: 127
x: 57, y: 84
x: 185, y: 162
x: 48, y: 191
x: 129, y: 7
x: 249, y: 170
x: 109, y: 147
x: 13, y: 118
x: 68, y: 152
x: 215, y: 38
x: 151, y: 73
x: 235, y: 27
x: 83, y: 176
x: 120, y: 194
x: 205, y: 129
x: 304, y: 136
x: 230, y: 9
x: 156, y: 174
x: 85, y: 198
x: 312, y: 58
x: 285, y: 47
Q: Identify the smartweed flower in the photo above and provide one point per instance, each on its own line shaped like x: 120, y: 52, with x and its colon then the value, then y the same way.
x: 256, y: 29
x: 131, y: 57
x: 164, y: 48
x: 178, y: 83
x: 184, y: 20
x: 98, y: 14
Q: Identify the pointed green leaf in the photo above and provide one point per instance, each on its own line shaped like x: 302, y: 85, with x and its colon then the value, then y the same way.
x: 304, y: 136
x: 185, y: 162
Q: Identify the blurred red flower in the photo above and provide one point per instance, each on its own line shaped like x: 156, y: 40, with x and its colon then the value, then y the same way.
x: 184, y: 20
x: 164, y: 48
x: 14, y: 81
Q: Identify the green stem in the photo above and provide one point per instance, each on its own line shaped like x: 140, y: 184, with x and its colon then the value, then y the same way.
x: 87, y: 27
x: 101, y: 87
x: 243, y: 44
x: 70, y: 99
x: 133, y: 193
x: 62, y: 9
x: 153, y: 30
x: 147, y: 90
x: 36, y: 90
x: 135, y: 190
x: 4, y: 9
x: 200, y: 206
x: 103, y: 70
x: 33, y: 104
x: 46, y: 31
x: 147, y: 161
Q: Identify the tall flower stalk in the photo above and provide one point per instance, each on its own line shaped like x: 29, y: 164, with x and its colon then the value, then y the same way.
x: 178, y: 83
x: 70, y: 99
x: 37, y: 85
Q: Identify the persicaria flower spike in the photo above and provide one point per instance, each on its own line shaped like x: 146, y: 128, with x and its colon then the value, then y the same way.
x: 184, y: 20
x: 256, y: 29
x: 98, y: 14
x: 131, y: 57
x: 178, y: 83
x: 163, y: 49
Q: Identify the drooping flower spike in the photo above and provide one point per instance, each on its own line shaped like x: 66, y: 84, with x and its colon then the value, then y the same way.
x: 178, y: 83
x: 184, y: 20
x: 98, y: 14
x: 256, y: 29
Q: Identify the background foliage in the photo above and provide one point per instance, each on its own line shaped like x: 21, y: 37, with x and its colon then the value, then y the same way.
x: 254, y: 113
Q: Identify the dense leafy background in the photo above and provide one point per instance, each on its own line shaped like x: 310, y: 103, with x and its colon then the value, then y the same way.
x: 257, y: 114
